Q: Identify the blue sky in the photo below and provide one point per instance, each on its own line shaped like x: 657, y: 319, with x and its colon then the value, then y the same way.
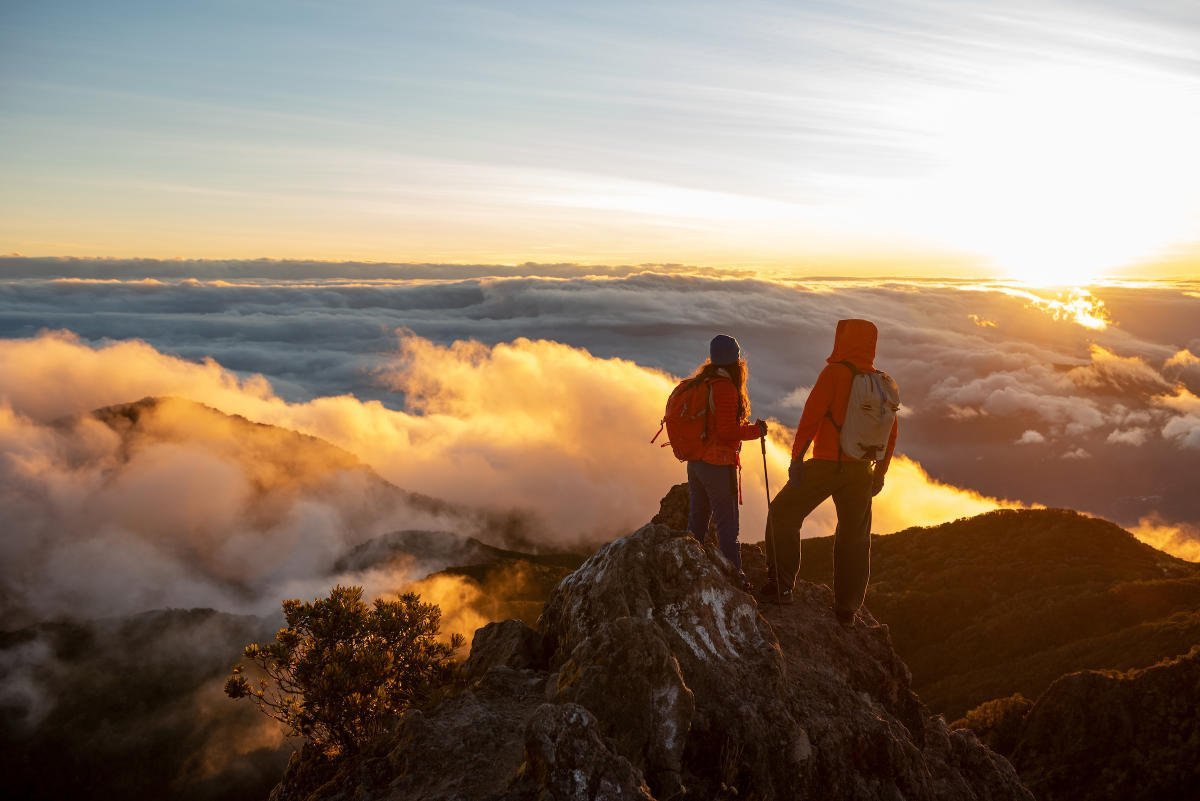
x: 919, y: 137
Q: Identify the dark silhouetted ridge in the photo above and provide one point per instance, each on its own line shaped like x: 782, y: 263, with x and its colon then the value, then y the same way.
x: 1008, y: 601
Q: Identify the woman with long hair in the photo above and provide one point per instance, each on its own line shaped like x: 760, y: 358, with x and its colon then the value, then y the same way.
x: 713, y: 484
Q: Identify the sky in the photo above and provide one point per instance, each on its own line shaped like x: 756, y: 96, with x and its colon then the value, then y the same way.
x: 1049, y: 141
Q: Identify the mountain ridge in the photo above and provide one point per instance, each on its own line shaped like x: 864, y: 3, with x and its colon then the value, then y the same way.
x: 1010, y: 600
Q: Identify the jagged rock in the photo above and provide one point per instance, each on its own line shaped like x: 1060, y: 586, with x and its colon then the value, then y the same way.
x: 509, y: 643
x: 673, y: 508
x: 469, y: 746
x: 566, y: 759
x: 1108, y: 735
x: 726, y: 654
x: 628, y: 662
x: 663, y: 680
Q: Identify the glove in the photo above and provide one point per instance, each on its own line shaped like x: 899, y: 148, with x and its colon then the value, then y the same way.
x: 796, y: 470
x: 877, y: 481
x: 762, y: 426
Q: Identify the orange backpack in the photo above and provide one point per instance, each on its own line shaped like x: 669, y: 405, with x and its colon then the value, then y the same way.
x: 686, y: 419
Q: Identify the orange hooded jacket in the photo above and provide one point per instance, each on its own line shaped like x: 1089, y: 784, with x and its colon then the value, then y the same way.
x: 724, y: 443
x: 854, y: 341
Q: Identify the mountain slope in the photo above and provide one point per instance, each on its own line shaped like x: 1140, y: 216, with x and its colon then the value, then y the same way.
x: 133, y: 708
x: 1105, y: 735
x: 1008, y: 601
x: 282, y: 464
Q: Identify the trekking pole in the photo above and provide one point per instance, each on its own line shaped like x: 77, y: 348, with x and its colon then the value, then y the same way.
x: 771, y: 522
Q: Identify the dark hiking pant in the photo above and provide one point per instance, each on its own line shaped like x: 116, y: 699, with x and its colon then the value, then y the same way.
x: 849, y: 483
x: 712, y: 494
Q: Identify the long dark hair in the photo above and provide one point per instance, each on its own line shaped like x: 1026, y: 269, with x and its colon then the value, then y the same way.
x: 738, y: 372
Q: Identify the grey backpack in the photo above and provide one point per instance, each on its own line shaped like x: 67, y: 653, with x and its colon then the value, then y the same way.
x: 870, y: 413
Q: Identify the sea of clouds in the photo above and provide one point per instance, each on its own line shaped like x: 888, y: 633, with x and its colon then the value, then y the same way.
x: 534, y: 391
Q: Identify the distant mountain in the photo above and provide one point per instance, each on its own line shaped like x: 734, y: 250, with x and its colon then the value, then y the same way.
x: 1006, y: 602
x: 286, y: 464
x: 511, y: 584
x: 283, y: 464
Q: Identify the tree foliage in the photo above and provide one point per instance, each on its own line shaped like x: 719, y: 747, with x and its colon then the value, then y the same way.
x: 998, y: 722
x: 341, y: 670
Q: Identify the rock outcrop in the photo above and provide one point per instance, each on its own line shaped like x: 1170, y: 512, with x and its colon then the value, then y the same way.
x: 651, y: 676
x: 1110, y: 736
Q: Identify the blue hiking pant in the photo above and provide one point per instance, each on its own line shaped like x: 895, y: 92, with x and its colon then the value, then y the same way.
x: 712, y: 494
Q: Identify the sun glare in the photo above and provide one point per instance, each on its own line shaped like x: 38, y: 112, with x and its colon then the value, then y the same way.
x: 1060, y: 175
x: 1076, y: 305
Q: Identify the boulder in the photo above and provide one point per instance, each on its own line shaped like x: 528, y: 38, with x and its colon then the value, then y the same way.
x: 509, y: 643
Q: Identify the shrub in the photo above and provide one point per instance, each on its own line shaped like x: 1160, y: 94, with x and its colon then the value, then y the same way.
x: 340, y: 670
x: 998, y: 722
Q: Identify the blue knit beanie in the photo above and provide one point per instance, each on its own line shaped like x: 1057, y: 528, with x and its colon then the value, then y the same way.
x: 724, y: 350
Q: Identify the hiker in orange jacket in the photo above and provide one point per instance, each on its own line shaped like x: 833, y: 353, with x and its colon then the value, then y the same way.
x: 852, y: 482
x: 713, y: 487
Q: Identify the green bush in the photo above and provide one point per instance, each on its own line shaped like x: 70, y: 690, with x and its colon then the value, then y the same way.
x: 340, y: 671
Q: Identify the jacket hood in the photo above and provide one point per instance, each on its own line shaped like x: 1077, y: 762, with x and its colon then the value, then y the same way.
x: 854, y: 342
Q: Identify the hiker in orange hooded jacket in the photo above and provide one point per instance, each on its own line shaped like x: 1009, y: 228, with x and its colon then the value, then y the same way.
x: 712, y: 479
x: 830, y: 472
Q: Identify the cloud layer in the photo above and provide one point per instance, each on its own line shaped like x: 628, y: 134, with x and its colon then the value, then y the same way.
x: 1120, y: 393
x: 193, y: 512
x: 534, y: 397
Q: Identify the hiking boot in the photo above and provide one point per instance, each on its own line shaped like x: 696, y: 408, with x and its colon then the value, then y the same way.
x: 773, y: 593
x: 845, y: 619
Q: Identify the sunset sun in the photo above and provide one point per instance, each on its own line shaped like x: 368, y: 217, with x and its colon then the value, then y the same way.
x: 1060, y: 174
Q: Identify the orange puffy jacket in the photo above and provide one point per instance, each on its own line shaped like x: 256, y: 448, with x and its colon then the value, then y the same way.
x: 854, y: 342
x: 725, y: 432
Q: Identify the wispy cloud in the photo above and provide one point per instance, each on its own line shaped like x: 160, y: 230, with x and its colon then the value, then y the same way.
x: 776, y: 134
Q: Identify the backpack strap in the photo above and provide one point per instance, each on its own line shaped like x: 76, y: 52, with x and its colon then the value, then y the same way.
x: 854, y: 373
x: 709, y: 407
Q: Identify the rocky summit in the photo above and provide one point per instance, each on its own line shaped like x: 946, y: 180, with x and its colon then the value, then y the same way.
x: 651, y: 676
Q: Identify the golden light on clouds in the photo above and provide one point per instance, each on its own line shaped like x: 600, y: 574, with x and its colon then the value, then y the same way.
x: 1075, y: 305
x: 528, y: 424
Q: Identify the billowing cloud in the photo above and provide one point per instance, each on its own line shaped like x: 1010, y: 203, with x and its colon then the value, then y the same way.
x: 1183, y: 359
x: 1030, y: 437
x: 191, y: 518
x: 1107, y: 370
x: 1179, y: 539
x: 1128, y: 436
x: 1183, y: 427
